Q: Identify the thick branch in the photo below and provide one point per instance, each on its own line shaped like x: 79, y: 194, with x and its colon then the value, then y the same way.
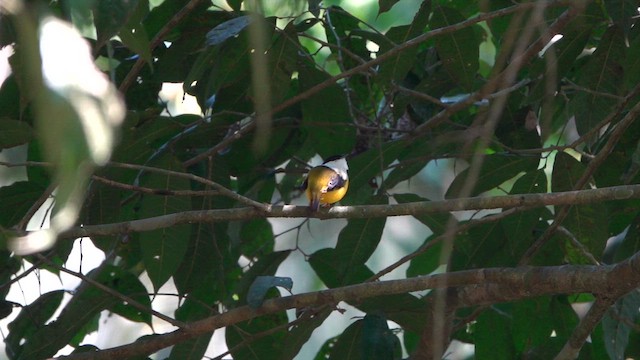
x: 359, y: 212
x: 478, y: 287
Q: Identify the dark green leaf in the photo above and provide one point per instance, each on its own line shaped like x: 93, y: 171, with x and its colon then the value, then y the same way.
x: 18, y: 197
x: 356, y: 243
x: 30, y: 319
x: 564, y: 317
x: 378, y: 342
x: 347, y: 346
x: 601, y: 75
x: 128, y: 284
x: 519, y: 228
x: 395, y: 69
x: 366, y: 167
x: 134, y: 35
x: 193, y: 349
x: 403, y: 309
x: 235, y: 4
x: 428, y: 260
x: 87, y: 302
x: 493, y: 336
x: 459, y: 50
x: 333, y: 273
x: 328, y: 126
x: 300, y: 333
x: 262, y: 284
x: 110, y: 15
x: 622, y: 12
x: 617, y: 324
x: 14, y: 133
x: 436, y: 222
x: 585, y: 222
x: 227, y: 29
x: 529, y: 334
x: 385, y: 5
x: 632, y: 64
x: 164, y: 249
x: 496, y: 169
x: 259, y: 348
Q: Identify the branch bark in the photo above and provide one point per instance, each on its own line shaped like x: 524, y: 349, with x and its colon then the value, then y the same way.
x: 360, y: 212
x: 475, y: 288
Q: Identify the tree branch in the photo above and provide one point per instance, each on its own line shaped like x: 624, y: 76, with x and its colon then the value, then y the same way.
x: 477, y: 287
x: 359, y: 212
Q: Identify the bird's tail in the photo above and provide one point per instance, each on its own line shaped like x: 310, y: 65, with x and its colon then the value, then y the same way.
x: 314, y: 204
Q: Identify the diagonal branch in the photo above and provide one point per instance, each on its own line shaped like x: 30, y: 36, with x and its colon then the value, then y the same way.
x: 477, y: 287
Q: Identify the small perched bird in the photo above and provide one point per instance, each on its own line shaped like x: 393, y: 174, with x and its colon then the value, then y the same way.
x: 327, y: 183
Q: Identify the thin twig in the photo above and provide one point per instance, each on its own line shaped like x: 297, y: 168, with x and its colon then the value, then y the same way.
x: 113, y: 293
x: 161, y: 192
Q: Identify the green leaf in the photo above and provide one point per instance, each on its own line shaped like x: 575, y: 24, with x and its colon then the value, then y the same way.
x: 564, y: 317
x: 528, y: 334
x: 227, y: 29
x: 366, y: 167
x: 193, y: 310
x: 496, y: 169
x: 72, y: 323
x: 403, y: 309
x: 587, y: 223
x: 632, y: 64
x: 134, y: 35
x: 356, y: 243
x: 329, y: 127
x: 335, y: 274
x: 18, y: 197
x: 385, y: 5
x: 30, y: 319
x: 300, y: 333
x: 436, y: 222
x: 565, y: 50
x: 622, y: 12
x: 235, y: 4
x: 404, y: 171
x: 14, y: 133
x: 198, y: 267
x: 259, y: 348
x: 617, y: 324
x: 347, y: 346
x: 128, y: 284
x: 484, y: 245
x: 519, y: 227
x: 110, y: 16
x: 427, y: 261
x: 262, y: 284
x: 459, y: 50
x: 602, y: 74
x: 164, y: 249
x: 395, y: 69
x: 493, y: 336
x: 378, y: 342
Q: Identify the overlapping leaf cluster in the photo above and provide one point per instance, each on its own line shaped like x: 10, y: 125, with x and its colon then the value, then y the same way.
x: 530, y: 119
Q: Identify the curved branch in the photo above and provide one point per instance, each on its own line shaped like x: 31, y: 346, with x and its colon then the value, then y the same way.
x: 359, y: 212
x: 477, y: 287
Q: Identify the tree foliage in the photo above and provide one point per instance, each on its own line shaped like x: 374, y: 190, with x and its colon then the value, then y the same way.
x: 533, y: 104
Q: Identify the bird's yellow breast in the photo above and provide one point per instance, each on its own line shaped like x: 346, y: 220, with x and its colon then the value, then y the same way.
x: 318, y: 186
